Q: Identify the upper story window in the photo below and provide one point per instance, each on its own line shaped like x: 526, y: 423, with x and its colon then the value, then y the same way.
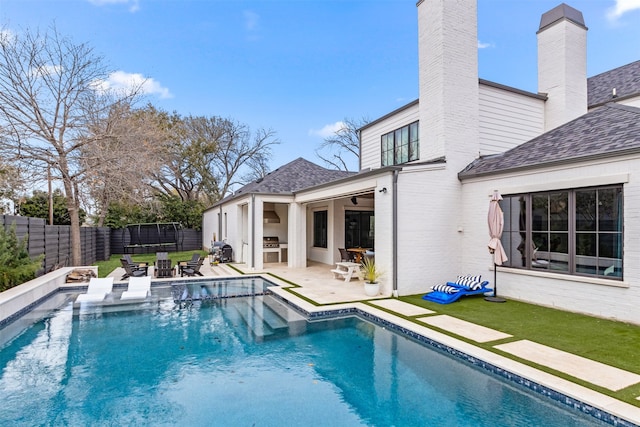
x: 575, y: 231
x: 401, y: 146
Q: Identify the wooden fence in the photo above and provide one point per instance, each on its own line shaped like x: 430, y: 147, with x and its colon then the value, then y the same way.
x: 97, y: 243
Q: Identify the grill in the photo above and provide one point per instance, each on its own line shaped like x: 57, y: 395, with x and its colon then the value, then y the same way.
x: 221, y: 252
x: 270, y: 242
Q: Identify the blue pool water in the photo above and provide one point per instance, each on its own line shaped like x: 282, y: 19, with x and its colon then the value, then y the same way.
x: 245, y: 361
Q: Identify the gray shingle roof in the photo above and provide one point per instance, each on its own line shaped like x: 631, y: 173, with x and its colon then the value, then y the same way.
x: 292, y: 177
x: 609, y: 130
x: 625, y: 80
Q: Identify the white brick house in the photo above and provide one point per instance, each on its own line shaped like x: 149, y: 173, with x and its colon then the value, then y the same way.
x: 563, y: 158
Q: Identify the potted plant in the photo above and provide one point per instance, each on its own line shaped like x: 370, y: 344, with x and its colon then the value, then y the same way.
x: 371, y: 274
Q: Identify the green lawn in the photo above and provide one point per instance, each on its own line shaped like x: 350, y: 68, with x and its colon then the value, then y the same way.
x: 612, y: 343
x: 106, y: 267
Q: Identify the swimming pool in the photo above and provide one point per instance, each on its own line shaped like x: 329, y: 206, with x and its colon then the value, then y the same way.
x: 245, y: 361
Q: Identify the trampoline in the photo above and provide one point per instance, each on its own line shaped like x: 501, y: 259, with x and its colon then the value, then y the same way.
x: 151, y: 237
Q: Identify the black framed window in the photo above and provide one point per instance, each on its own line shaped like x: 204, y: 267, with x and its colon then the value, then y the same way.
x: 401, y: 145
x: 320, y: 229
x: 578, y: 231
x: 359, y: 229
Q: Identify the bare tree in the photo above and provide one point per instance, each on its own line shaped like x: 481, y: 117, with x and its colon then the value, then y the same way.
x: 212, y: 154
x: 343, y: 146
x: 48, y: 92
x: 120, y: 165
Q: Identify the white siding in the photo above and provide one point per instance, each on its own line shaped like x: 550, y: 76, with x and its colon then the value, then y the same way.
x: 370, y: 137
x: 507, y: 119
x: 600, y: 297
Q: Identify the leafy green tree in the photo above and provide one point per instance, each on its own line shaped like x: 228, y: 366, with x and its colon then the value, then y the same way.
x: 37, y: 206
x: 186, y: 212
x: 16, y: 267
x: 120, y: 213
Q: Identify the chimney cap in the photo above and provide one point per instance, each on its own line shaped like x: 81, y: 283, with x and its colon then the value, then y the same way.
x: 560, y: 12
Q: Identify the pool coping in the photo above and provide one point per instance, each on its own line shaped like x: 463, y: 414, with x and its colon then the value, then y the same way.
x: 583, y: 399
x: 600, y: 406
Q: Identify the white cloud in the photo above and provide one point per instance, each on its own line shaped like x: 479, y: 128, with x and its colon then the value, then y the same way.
x: 134, y: 5
x: 251, y: 20
x: 327, y: 130
x: 621, y: 7
x: 46, y: 70
x: 122, y: 81
x: 484, y: 45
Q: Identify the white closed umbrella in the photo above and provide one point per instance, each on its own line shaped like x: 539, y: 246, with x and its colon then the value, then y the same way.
x: 495, y: 219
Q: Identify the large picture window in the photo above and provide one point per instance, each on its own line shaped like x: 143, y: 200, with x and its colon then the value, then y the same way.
x: 320, y: 229
x: 401, y: 145
x: 575, y: 231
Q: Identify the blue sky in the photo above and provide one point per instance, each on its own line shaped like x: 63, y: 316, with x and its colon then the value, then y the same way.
x: 300, y: 66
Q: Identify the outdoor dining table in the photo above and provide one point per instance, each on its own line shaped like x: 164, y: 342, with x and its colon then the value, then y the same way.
x: 358, y: 252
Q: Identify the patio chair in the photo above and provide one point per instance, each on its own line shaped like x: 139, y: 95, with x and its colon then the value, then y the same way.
x: 132, y: 262
x: 132, y: 270
x: 139, y: 288
x: 345, y: 255
x: 192, y: 270
x: 452, y: 291
x: 163, y: 268
x: 162, y: 255
x: 97, y: 290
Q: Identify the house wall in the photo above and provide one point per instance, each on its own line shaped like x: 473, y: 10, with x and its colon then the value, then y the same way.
x: 371, y: 136
x: 507, y: 119
x: 429, y: 216
x: 601, y: 297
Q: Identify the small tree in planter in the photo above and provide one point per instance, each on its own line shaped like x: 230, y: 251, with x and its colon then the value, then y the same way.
x: 16, y: 267
x: 371, y: 274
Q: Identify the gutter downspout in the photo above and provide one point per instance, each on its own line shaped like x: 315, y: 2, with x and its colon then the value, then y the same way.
x: 394, y: 227
x: 253, y: 233
x: 220, y: 224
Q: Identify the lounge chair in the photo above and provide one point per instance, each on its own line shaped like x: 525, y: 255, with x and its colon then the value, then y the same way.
x: 192, y: 270
x: 132, y: 270
x: 97, y: 291
x: 139, y: 288
x: 452, y: 291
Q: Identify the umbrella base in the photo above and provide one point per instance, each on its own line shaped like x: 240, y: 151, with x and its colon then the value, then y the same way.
x: 495, y: 299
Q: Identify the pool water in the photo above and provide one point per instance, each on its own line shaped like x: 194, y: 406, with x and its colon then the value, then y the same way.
x: 245, y: 361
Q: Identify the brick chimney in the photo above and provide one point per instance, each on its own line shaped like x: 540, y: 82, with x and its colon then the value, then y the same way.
x: 448, y: 67
x: 562, y: 64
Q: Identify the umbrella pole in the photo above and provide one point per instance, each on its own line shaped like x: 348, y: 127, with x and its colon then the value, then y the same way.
x: 495, y: 297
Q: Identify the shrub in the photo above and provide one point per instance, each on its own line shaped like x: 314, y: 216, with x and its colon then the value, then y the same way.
x: 16, y: 266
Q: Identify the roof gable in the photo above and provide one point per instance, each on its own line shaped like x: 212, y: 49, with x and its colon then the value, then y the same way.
x: 611, y: 129
x: 291, y: 177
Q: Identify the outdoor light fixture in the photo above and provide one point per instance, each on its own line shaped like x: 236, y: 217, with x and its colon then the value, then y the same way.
x: 354, y: 200
x: 383, y: 190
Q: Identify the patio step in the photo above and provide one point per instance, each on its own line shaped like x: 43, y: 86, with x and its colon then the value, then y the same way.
x: 262, y: 320
x: 296, y: 322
